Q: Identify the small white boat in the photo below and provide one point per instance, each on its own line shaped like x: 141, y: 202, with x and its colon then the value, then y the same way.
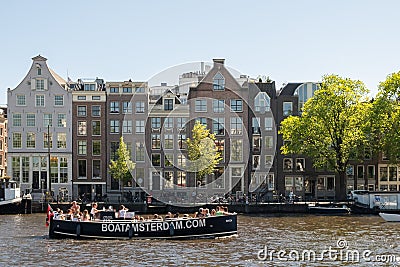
x: 390, y: 217
x: 329, y: 210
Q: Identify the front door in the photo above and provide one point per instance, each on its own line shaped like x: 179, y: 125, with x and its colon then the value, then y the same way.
x: 35, y: 180
x: 43, y: 177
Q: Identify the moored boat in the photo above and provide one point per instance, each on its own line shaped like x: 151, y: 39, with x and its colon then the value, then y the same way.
x: 390, y: 217
x: 329, y: 210
x: 179, y: 228
x: 11, y: 201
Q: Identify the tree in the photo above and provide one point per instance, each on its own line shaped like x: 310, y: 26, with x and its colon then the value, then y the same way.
x: 121, y: 168
x: 331, y: 127
x: 202, y: 152
x: 385, y: 117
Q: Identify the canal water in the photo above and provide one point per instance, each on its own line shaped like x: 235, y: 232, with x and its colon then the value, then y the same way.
x: 284, y: 240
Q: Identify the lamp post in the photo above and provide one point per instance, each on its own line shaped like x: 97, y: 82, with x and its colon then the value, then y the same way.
x: 48, y: 155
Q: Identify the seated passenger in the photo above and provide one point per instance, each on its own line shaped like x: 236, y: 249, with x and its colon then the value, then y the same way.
x: 85, y: 216
x: 122, y: 211
x: 176, y: 215
x: 75, y: 207
x: 213, y: 212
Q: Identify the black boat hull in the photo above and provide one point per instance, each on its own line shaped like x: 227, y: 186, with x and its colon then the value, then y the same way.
x: 209, y: 227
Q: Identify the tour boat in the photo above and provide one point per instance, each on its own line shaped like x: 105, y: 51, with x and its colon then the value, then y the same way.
x: 329, y: 210
x: 180, y: 228
x: 390, y: 217
x: 11, y: 201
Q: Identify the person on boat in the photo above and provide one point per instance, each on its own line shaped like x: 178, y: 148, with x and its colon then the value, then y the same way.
x: 85, y: 216
x: 213, y: 212
x: 176, y: 215
x: 94, y: 212
x: 122, y: 211
x: 75, y: 207
x: 168, y: 216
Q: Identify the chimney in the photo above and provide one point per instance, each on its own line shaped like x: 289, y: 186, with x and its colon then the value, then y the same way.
x: 201, y: 67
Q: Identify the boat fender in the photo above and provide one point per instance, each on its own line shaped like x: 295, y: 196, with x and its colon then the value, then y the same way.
x: 171, y: 229
x: 130, y: 233
x: 78, y: 230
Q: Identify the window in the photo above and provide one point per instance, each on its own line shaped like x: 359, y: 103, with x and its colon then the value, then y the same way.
x: 39, y: 101
x: 168, y: 104
x: 96, y: 169
x: 96, y: 148
x: 168, y: 160
x: 59, y: 100
x: 139, y: 90
x: 96, y: 111
x: 155, y: 141
x: 219, y: 126
x: 17, y: 119
x: 47, y: 140
x: 16, y: 167
x: 360, y: 172
x: 89, y: 87
x: 288, y: 183
x: 96, y: 97
x: 220, y: 144
x: 139, y: 176
x: 39, y: 71
x: 300, y: 164
x: 330, y: 183
x: 392, y: 173
x: 82, y: 147
x: 236, y: 150
x: 139, y: 106
x: 114, y: 90
x: 61, y: 120
x: 30, y: 140
x: 168, y: 123
x: 181, y: 123
x: 82, y: 130
x: 114, y: 126
x: 350, y: 172
x: 61, y: 140
x: 156, y: 160
x: 96, y: 128
x: 21, y: 100
x: 114, y: 148
x: 298, y: 183
x: 127, y: 126
x: 202, y: 120
x: 127, y: 90
x: 139, y: 126
x: 181, y: 178
x: 25, y: 169
x: 39, y: 84
x: 155, y: 123
x: 287, y: 164
x: 63, y: 170
x: 287, y: 108
x: 236, y: 105
x: 383, y: 173
x: 182, y: 141
x: 181, y: 161
x: 114, y: 107
x: 268, y: 123
x: 371, y: 172
x: 200, y: 105
x: 17, y: 140
x: 255, y: 125
x: 81, y: 111
x: 127, y: 107
x: 169, y: 179
x: 81, y: 169
x: 218, y: 105
x: 81, y: 97
x: 262, y: 102
x: 47, y: 120
x: 30, y: 120
x: 236, y: 126
x: 256, y: 162
x: 269, y: 140
x: 269, y: 160
x: 139, y: 151
x: 256, y: 143
x: 168, y: 141
x: 218, y: 82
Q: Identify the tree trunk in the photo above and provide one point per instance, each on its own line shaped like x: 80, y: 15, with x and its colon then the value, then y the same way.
x: 341, y: 187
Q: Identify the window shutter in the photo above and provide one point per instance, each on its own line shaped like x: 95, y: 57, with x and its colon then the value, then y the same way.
x: 45, y: 84
x: 33, y: 84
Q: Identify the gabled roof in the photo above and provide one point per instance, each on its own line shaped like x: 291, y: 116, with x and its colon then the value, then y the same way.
x: 57, y: 77
x: 289, y: 89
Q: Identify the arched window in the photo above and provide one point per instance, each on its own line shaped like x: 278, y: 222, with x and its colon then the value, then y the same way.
x: 219, y: 82
x: 262, y: 102
x: 305, y: 92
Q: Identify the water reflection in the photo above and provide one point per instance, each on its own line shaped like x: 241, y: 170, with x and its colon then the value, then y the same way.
x: 24, y: 242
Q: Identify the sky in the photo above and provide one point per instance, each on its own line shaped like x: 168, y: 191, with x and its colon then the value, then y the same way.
x: 289, y: 41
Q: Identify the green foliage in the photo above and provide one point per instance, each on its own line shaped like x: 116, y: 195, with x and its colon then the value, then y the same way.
x: 202, y: 152
x: 385, y: 126
x: 331, y: 128
x: 121, y: 168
